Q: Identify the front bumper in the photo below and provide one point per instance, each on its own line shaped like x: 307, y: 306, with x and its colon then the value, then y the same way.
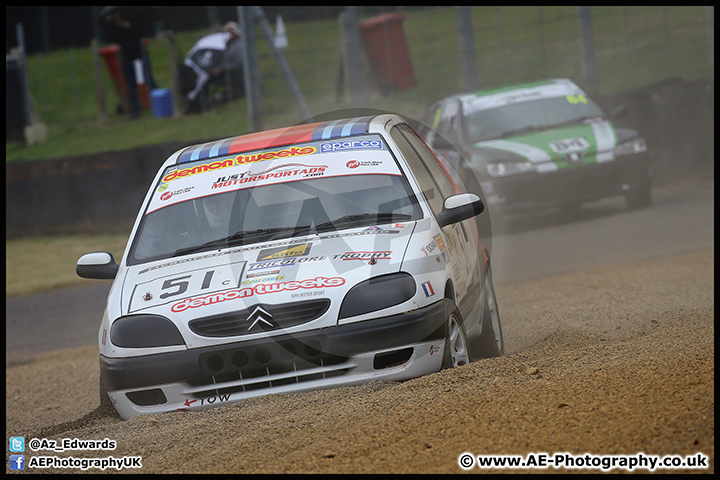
x: 535, y: 191
x: 391, y: 348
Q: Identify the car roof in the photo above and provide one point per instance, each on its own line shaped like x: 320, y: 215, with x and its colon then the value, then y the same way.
x: 497, y: 97
x: 518, y: 86
x: 285, y: 136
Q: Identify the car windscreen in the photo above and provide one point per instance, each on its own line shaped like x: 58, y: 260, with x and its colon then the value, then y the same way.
x: 256, y: 197
x: 527, y: 116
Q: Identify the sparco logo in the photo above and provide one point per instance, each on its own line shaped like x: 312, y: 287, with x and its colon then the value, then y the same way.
x: 350, y: 144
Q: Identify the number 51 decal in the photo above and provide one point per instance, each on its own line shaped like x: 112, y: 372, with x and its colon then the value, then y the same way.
x: 176, y: 287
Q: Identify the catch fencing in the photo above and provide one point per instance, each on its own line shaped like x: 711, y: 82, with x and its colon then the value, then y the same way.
x: 450, y: 49
x: 657, y: 60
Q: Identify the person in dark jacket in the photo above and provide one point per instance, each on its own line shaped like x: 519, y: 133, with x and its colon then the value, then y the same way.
x: 127, y: 33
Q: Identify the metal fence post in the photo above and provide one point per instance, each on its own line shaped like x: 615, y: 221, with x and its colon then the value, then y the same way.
x: 354, y: 62
x: 73, y: 75
x: 668, y: 44
x: 99, y: 86
x: 467, y: 48
x: 541, y: 25
x: 501, y: 48
x: 287, y: 73
x: 213, y: 16
x: 250, y: 66
x: 24, y: 84
x: 431, y: 43
x: 174, y: 74
x: 588, y: 49
x: 710, y: 17
x: 46, y: 27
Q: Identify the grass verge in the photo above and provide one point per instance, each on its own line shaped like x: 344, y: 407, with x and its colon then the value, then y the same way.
x: 44, y: 263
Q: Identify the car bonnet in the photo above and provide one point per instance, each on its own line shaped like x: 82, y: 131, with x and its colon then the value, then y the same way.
x: 296, y: 270
x: 325, y: 266
x: 590, y: 142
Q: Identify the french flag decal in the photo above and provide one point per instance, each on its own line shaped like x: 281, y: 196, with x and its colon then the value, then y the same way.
x: 427, y: 287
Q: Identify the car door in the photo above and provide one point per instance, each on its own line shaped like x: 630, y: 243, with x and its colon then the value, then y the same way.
x: 464, y: 255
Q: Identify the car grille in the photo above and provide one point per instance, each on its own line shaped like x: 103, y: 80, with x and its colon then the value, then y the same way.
x: 265, y: 366
x: 259, y: 318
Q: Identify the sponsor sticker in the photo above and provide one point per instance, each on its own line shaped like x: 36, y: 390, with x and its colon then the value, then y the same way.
x: 384, y: 255
x: 298, y: 163
x: 285, y: 262
x: 259, y: 289
x: 260, y: 274
x: 263, y: 279
x: 284, y: 252
x: 428, y: 248
x: 167, y: 195
x: 239, y: 160
x: 207, y: 167
x: 349, y: 145
x: 279, y: 172
x: 443, y: 249
x: 288, y: 152
x: 368, y: 163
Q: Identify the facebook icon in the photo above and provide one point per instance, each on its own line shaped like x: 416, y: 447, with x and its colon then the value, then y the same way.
x: 17, y: 462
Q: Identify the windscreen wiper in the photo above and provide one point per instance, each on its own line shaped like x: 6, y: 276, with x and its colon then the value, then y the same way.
x: 573, y: 121
x: 547, y: 126
x: 227, y: 241
x: 520, y: 131
x: 361, y: 218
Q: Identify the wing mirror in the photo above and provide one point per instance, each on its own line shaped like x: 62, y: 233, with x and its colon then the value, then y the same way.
x: 98, y: 265
x: 460, y: 207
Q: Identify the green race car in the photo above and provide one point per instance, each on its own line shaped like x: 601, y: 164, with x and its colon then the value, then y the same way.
x: 539, y: 146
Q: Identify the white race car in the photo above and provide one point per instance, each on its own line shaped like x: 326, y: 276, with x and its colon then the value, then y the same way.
x: 308, y: 257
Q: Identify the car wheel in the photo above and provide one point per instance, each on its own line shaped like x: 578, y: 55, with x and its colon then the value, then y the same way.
x: 492, y: 343
x: 456, y: 345
x: 640, y: 195
x: 104, y: 397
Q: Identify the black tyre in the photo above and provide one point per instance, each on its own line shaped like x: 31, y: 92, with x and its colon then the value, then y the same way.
x: 492, y: 343
x: 456, y: 345
x: 104, y: 397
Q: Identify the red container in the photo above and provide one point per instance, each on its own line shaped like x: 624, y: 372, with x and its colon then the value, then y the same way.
x: 384, y: 42
x: 110, y: 55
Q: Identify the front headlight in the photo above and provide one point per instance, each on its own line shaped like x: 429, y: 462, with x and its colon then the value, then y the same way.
x: 377, y: 293
x: 144, y: 331
x: 631, y: 147
x: 509, y: 168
